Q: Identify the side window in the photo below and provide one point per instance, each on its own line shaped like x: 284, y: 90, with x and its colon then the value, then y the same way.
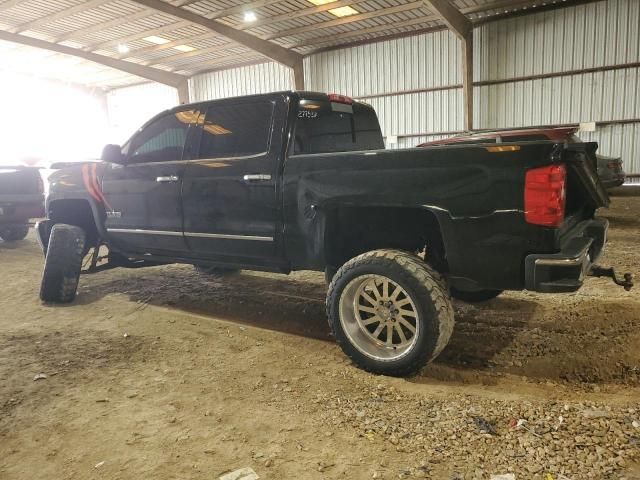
x: 162, y: 140
x: 236, y: 130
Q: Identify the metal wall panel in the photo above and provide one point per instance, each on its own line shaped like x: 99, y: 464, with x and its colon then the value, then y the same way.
x: 618, y: 140
x: 592, y: 35
x: 422, y: 61
x: 583, y: 36
x: 261, y: 78
x: 411, y: 63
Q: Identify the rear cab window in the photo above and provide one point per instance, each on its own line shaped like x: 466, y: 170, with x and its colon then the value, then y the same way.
x: 324, y: 126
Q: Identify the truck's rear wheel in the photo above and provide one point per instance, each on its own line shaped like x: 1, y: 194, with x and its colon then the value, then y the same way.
x: 389, y: 312
x: 13, y: 233
x: 477, y: 296
x: 62, y: 264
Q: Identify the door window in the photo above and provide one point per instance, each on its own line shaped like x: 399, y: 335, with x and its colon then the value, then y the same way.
x: 237, y: 130
x: 163, y: 140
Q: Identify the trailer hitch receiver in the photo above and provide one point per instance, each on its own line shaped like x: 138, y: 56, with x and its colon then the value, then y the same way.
x: 598, y: 271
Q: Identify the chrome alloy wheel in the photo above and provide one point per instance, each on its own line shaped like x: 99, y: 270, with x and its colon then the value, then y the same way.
x: 379, y: 317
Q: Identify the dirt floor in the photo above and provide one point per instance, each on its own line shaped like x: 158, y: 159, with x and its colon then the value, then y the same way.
x: 164, y: 373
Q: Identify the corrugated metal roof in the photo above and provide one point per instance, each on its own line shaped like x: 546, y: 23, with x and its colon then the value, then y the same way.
x: 297, y: 24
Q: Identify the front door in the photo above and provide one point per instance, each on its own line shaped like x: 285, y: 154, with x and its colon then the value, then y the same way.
x: 230, y: 195
x: 144, y: 211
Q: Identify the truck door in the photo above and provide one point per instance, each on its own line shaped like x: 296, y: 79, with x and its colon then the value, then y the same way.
x: 230, y: 195
x: 144, y: 211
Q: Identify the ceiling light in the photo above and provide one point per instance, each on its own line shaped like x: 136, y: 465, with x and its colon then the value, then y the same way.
x: 343, y: 11
x: 250, y: 17
x: 156, y: 40
x: 184, y: 48
x: 321, y: 2
x: 122, y: 48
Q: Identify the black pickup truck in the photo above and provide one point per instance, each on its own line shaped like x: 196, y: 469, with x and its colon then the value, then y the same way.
x: 21, y: 199
x: 301, y: 181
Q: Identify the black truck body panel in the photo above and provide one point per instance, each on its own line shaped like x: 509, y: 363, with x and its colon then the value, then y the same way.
x: 273, y: 209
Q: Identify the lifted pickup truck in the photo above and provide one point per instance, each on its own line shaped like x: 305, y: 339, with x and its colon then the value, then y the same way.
x: 21, y: 199
x: 301, y: 181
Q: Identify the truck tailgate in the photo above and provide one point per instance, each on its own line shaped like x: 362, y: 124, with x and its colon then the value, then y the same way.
x: 584, y: 187
x: 19, y: 181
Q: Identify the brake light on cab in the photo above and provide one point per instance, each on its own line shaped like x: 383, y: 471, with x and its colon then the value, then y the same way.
x: 336, y: 98
x: 545, y: 195
x: 340, y: 103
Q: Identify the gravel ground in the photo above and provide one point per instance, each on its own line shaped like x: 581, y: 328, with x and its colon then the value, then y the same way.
x: 164, y: 373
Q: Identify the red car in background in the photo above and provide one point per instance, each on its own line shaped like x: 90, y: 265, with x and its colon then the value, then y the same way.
x: 609, y: 168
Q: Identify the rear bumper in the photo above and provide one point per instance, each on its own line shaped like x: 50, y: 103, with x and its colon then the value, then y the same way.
x: 565, y: 271
x: 21, y: 212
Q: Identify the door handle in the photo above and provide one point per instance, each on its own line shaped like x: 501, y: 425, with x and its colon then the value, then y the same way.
x: 258, y: 177
x: 170, y: 178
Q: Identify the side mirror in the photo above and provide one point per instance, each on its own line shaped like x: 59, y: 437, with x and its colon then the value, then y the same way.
x: 112, y: 154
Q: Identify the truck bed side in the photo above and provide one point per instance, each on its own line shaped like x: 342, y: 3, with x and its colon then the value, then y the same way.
x: 475, y: 193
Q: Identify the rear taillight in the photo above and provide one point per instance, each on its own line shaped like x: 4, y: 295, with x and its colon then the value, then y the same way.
x: 544, y: 195
x: 613, y: 166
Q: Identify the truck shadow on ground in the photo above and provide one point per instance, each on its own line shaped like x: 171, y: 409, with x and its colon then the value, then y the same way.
x: 289, y: 305
x: 13, y: 245
x: 574, y: 342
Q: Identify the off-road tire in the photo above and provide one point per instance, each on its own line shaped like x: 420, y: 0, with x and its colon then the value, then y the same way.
x: 13, y: 233
x: 214, y: 272
x: 427, y: 290
x: 478, y: 296
x: 62, y: 264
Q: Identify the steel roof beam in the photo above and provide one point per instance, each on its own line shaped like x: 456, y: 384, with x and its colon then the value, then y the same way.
x: 270, y: 50
x: 346, y: 20
x: 154, y: 74
x: 457, y: 21
x: 76, y: 35
x: 260, y: 22
x: 459, y: 24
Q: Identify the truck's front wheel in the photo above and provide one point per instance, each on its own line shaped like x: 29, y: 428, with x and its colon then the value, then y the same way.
x: 62, y: 264
x: 389, y: 312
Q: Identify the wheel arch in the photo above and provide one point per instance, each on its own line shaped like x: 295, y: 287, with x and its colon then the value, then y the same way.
x: 80, y: 212
x: 352, y: 230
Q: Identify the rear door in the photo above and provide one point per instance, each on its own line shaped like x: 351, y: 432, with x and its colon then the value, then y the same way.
x: 230, y: 194
x: 144, y: 195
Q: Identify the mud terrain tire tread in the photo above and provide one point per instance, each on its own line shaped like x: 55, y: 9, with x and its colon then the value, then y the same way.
x: 62, y: 264
x: 429, y: 292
